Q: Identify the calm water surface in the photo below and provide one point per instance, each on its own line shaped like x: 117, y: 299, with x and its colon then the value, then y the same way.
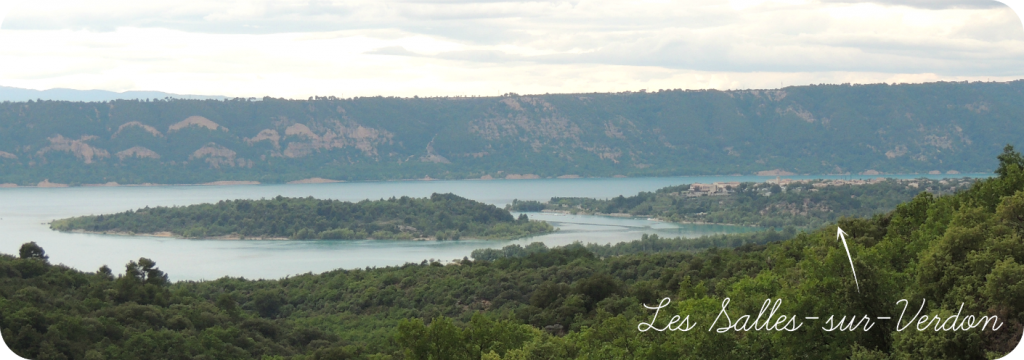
x: 24, y: 213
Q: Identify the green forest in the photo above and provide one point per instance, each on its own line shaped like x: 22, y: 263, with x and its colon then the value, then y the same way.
x: 945, y: 127
x: 959, y: 253
x: 808, y: 204
x: 440, y: 217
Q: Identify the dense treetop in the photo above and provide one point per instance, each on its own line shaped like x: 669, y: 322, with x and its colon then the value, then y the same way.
x: 803, y: 204
x: 908, y: 128
x: 960, y: 252
x: 441, y: 216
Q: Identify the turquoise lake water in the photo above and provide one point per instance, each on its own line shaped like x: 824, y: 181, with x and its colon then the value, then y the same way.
x: 25, y: 212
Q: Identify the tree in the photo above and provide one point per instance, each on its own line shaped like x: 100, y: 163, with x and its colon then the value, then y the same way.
x: 151, y: 274
x: 411, y: 334
x: 31, y: 250
x: 267, y: 302
x: 142, y: 283
x: 229, y: 305
x: 597, y: 288
x: 446, y: 340
x: 1007, y: 158
x: 105, y: 273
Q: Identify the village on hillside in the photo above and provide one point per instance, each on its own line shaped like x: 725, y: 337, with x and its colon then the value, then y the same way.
x: 726, y: 188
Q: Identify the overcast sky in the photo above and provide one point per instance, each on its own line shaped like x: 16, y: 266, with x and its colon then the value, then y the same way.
x: 297, y: 49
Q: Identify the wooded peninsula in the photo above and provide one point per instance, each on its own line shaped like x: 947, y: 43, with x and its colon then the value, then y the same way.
x: 440, y: 217
x: 777, y: 203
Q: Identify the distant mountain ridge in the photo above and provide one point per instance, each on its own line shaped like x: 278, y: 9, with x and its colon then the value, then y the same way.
x: 19, y: 94
x: 945, y: 127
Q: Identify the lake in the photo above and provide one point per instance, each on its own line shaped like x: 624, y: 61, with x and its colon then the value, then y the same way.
x: 25, y: 212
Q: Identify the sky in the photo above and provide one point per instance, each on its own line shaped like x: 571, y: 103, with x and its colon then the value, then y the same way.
x: 297, y: 49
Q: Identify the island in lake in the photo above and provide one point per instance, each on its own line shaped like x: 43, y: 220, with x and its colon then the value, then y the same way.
x: 440, y: 217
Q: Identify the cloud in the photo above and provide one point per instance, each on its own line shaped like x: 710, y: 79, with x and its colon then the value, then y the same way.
x: 299, y: 48
x: 933, y: 4
x: 865, y: 38
x: 265, y: 16
x: 392, y: 50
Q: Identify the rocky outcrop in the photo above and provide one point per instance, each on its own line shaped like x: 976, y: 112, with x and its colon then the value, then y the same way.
x: 304, y: 139
x: 433, y: 157
x: 145, y: 127
x: 79, y: 148
x: 137, y: 152
x: 266, y: 135
x: 218, y: 156
x: 195, y: 121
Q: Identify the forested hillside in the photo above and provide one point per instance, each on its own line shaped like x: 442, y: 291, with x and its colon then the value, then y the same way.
x: 944, y: 127
x: 959, y: 254
x: 440, y: 217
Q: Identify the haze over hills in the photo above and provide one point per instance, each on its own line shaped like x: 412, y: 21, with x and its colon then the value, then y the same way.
x: 913, y: 128
x: 19, y: 94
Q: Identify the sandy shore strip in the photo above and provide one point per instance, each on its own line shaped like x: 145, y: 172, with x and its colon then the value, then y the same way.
x: 122, y: 233
x: 315, y: 180
x: 776, y: 172
x: 47, y: 184
x: 630, y: 216
x: 111, y: 183
x: 521, y: 176
x: 168, y: 234
x: 215, y: 183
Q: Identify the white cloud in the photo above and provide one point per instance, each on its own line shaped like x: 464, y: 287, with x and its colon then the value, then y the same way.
x: 405, y: 48
x: 933, y: 4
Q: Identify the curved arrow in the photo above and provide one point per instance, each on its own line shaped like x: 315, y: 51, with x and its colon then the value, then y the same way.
x: 840, y: 235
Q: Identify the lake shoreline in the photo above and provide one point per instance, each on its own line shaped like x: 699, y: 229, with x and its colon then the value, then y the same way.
x: 170, y: 235
x: 628, y: 216
x: 317, y: 180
